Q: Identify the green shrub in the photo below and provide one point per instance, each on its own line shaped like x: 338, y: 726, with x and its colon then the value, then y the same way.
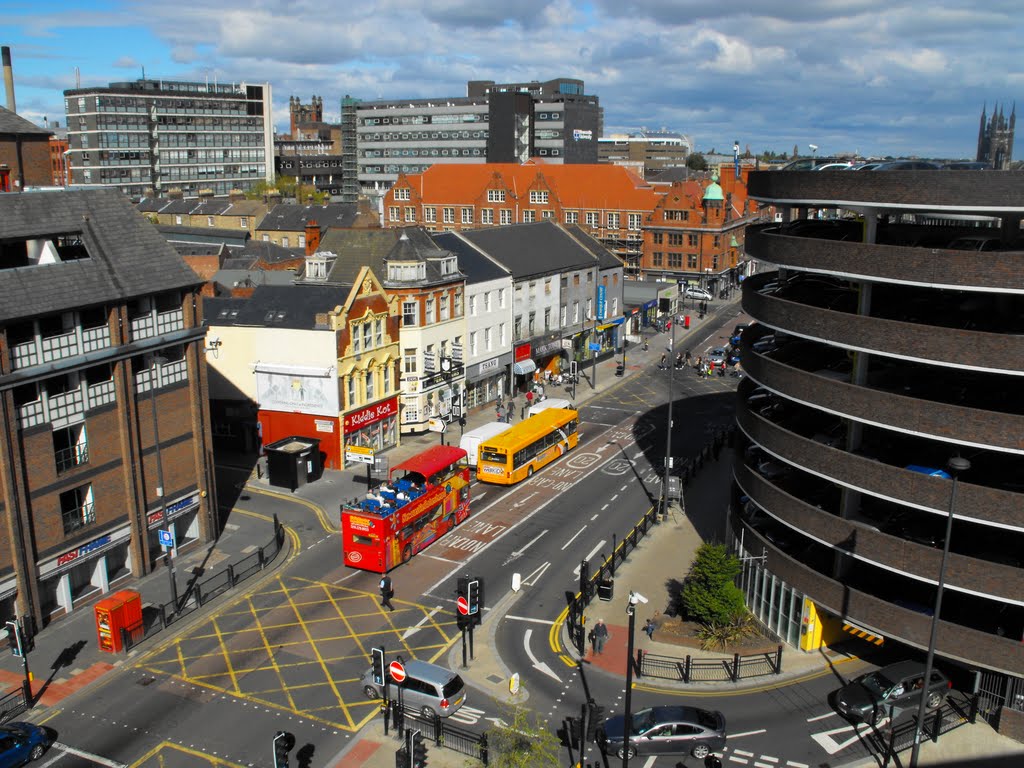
x: 709, y: 594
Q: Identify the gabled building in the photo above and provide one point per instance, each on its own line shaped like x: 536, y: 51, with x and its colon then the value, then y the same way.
x: 235, y: 212
x: 294, y: 226
x: 103, y: 392
x: 24, y: 154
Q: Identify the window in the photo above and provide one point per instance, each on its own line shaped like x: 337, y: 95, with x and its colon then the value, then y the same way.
x: 634, y: 221
x: 458, y: 304
x: 409, y: 361
x: 658, y: 259
x: 444, y: 305
x: 495, y: 195
x: 613, y: 221
x: 410, y: 214
x: 675, y: 260
x: 658, y: 238
x: 691, y: 261
x: 692, y: 240
x: 351, y: 390
x: 575, y: 311
x: 430, y: 214
x: 302, y: 241
x: 676, y: 215
x: 487, y: 339
x: 448, y: 215
x: 378, y: 331
x: 547, y: 319
x: 177, y: 219
x: 529, y: 215
x: 431, y: 312
x: 675, y: 238
x: 266, y: 237
x: 502, y: 334
x: 409, y: 313
x: 518, y: 329
x: 394, y: 213
x: 243, y: 222
x: 76, y: 508
x: 487, y: 301
x: 716, y: 242
x: 546, y: 214
x: 402, y: 194
x: 590, y: 309
x: 486, y: 215
x: 472, y: 305
x: 356, y: 340
x: 505, y: 216
x: 538, y: 197
x: 572, y: 217
x: 370, y: 390
x: 467, y: 215
x: 563, y: 315
x: 284, y: 241
x: 367, y: 336
x: 592, y: 219
x: 532, y: 323
x: 501, y: 298
x: 70, y: 447
x: 472, y: 343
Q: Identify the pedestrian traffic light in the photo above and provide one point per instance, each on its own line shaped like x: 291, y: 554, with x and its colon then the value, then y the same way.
x: 378, y: 665
x: 14, y: 638
x: 419, y: 750
x: 605, y: 587
x: 474, y: 595
x: 595, y: 721
x: 284, y: 742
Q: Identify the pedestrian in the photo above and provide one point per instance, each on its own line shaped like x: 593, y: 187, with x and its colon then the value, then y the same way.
x: 649, y: 628
x: 386, y: 592
x: 700, y: 366
x: 529, y: 398
x: 664, y: 359
x: 689, y: 358
x: 600, y: 636
x: 500, y: 412
x: 522, y: 412
x: 511, y: 410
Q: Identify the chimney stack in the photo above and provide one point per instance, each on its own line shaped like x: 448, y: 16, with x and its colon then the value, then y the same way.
x: 312, y: 237
x: 5, y: 53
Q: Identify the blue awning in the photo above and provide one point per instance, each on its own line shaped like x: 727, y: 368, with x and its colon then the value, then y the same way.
x: 524, y: 367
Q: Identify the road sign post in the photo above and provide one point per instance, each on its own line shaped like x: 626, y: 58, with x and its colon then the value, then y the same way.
x: 397, y: 672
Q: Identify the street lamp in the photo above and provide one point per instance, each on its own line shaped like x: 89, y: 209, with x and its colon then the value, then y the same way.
x: 668, y: 429
x: 446, y: 372
x: 169, y: 556
x: 956, y: 466
x: 634, y: 598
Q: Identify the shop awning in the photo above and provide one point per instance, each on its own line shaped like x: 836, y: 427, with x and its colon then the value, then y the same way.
x: 524, y: 367
x: 612, y: 324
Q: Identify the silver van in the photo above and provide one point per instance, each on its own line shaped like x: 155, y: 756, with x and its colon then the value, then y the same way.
x: 431, y: 689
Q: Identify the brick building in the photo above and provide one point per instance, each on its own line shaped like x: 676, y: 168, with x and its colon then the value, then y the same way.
x: 102, y: 391
x: 24, y: 153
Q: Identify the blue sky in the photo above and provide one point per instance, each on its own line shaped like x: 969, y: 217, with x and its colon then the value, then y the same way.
x: 879, y: 77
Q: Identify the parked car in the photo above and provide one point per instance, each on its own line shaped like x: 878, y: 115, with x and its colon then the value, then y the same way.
x: 693, y: 292
x: 428, y: 688
x: 833, y: 167
x: 976, y: 243
x: 807, y: 163
x: 22, y: 743
x: 665, y: 730
x: 908, y: 165
x: 716, y: 357
x: 966, y: 165
x: 891, y: 690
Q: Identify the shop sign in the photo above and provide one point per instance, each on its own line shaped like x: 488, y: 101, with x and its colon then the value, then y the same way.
x: 601, y: 302
x: 84, y: 550
x: 359, y: 454
x: 153, y: 518
x: 323, y: 425
x: 522, y: 353
x: 488, y: 365
x: 567, y: 344
x: 353, y: 422
x: 549, y: 347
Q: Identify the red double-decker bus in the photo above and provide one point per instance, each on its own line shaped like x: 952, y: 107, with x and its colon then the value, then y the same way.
x: 424, y: 498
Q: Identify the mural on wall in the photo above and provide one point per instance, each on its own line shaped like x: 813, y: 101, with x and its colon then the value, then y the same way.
x: 299, y: 390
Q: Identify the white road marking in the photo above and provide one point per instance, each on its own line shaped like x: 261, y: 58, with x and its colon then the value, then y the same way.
x: 438, y: 557
x: 795, y: 764
x: 743, y: 752
x: 57, y: 755
x: 519, y: 552
x: 89, y: 756
x: 747, y: 733
x: 549, y: 622
x: 827, y: 741
x: 419, y: 625
x: 650, y: 761
x: 540, y: 666
x: 593, y: 552
x: 570, y: 541
x: 821, y: 717
x: 741, y: 760
x: 534, y: 577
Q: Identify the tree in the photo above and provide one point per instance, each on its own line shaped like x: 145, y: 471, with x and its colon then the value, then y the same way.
x: 524, y: 743
x: 289, y: 188
x: 709, y: 594
x: 696, y: 162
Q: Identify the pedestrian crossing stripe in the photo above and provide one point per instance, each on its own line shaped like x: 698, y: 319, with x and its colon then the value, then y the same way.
x: 862, y: 633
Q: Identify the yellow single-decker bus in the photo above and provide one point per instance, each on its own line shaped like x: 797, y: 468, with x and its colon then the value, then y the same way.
x: 526, y: 447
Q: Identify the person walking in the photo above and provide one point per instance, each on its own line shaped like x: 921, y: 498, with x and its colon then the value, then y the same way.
x: 649, y: 628
x: 600, y: 636
x: 664, y: 360
x: 511, y: 411
x: 386, y: 592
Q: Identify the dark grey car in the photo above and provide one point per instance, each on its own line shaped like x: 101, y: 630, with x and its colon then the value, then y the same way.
x: 666, y: 730
x: 890, y: 691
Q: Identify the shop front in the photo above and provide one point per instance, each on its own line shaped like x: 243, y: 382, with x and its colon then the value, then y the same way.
x: 523, y: 368
x: 84, y: 572
x: 182, y: 520
x: 374, y: 426
x: 299, y: 400
x: 486, y: 381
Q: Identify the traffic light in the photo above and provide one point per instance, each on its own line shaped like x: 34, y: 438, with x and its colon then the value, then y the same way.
x: 585, y: 579
x: 378, y: 665
x: 419, y: 750
x: 14, y: 638
x: 605, y: 587
x: 474, y: 595
x: 595, y: 721
x: 284, y: 742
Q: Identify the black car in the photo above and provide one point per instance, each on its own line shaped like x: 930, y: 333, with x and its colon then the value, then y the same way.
x: 665, y: 730
x: 890, y: 691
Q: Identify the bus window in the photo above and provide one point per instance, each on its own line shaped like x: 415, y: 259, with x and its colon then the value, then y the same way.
x: 366, y: 541
x: 491, y: 455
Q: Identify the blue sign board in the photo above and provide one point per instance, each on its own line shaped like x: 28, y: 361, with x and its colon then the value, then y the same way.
x: 601, y: 302
x: 594, y: 347
x: 166, y: 538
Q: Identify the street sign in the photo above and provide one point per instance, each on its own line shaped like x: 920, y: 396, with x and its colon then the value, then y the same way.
x: 359, y: 454
x: 436, y: 425
x: 513, y: 684
x: 166, y: 538
x: 397, y: 671
x: 463, y: 605
x: 594, y: 346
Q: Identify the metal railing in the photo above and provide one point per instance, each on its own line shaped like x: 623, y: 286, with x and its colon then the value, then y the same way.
x: 891, y: 739
x: 441, y: 732
x: 12, y: 704
x: 198, y: 593
x: 727, y: 669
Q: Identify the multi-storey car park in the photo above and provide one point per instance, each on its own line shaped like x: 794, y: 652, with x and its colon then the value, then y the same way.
x: 880, y: 351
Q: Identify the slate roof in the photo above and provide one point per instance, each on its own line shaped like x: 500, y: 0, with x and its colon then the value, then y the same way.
x: 210, y: 235
x: 211, y: 207
x: 277, y: 306
x: 474, y: 264
x: 231, y: 276
x: 288, y: 217
x: 268, y: 252
x: 605, y: 258
x: 127, y: 256
x: 357, y: 248
x: 527, y: 250
x: 10, y: 122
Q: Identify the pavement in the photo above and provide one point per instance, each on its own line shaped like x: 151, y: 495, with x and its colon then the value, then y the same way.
x: 66, y: 658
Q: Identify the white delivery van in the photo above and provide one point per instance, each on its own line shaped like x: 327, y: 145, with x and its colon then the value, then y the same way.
x: 550, y: 402
x: 470, y: 441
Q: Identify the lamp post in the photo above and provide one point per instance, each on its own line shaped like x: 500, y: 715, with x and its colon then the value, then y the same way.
x: 956, y: 466
x: 169, y: 556
x: 446, y: 372
x: 668, y: 428
x: 627, y: 721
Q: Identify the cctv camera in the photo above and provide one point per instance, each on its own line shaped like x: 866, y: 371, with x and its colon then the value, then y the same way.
x: 636, y: 597
x: 813, y: 147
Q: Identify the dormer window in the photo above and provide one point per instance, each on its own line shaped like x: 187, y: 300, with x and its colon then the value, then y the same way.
x: 406, y: 272
x: 318, y: 265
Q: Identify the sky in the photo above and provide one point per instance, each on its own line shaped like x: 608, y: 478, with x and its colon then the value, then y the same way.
x: 873, y: 77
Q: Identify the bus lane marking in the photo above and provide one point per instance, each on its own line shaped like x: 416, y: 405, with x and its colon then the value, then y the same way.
x: 593, y: 552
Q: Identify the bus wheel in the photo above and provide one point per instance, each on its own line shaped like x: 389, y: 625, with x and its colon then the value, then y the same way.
x: 529, y: 472
x: 407, y: 553
x: 450, y: 522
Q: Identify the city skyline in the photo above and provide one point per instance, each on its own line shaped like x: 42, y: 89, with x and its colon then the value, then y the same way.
x: 877, y: 78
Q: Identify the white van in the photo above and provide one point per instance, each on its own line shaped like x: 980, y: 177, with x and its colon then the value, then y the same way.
x: 549, y: 402
x: 470, y: 441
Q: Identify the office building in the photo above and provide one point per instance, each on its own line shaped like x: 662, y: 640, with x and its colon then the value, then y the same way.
x: 150, y: 136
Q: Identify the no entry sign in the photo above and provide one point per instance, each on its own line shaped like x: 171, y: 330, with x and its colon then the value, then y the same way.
x: 463, y: 605
x: 397, y: 671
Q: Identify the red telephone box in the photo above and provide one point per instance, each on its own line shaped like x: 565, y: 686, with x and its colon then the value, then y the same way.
x: 122, y: 610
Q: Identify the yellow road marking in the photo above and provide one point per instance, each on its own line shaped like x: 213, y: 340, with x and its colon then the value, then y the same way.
x: 320, y: 514
x: 270, y: 655
x: 227, y: 656
x: 188, y: 751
